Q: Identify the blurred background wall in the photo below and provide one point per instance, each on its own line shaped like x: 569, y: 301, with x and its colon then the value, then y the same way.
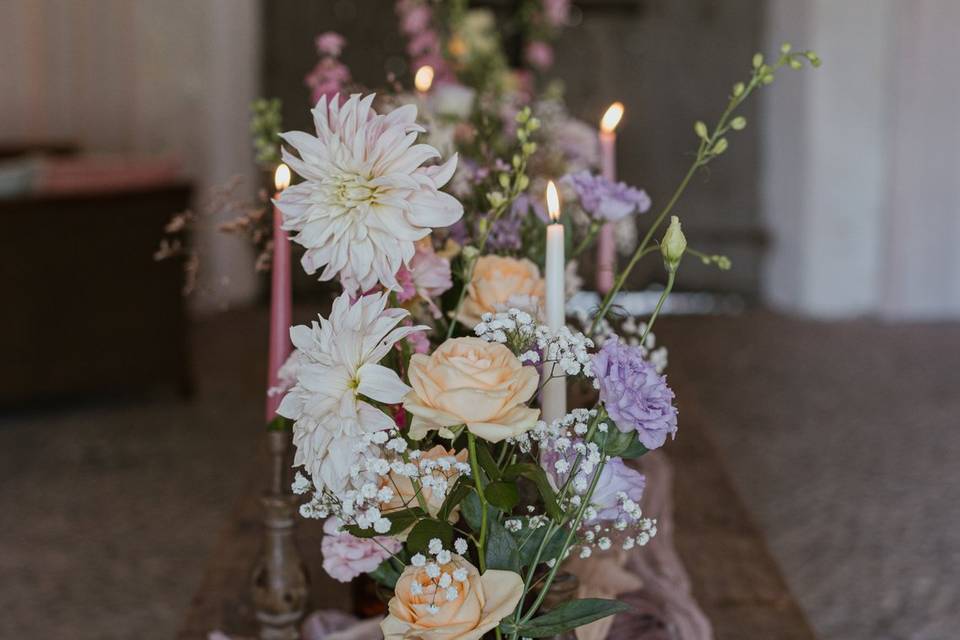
x: 143, y: 77
x: 862, y: 161
x: 838, y: 200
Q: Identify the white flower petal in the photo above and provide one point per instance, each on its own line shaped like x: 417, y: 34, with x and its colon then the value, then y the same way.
x: 381, y: 384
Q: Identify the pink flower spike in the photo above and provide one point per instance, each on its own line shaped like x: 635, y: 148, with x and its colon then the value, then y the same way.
x: 330, y: 43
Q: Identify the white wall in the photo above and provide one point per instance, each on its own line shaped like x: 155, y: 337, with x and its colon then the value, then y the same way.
x: 140, y: 76
x: 862, y: 160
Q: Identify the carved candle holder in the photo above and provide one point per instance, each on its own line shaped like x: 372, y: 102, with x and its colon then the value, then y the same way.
x: 279, y: 582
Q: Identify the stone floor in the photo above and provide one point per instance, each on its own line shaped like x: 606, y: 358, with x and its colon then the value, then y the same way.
x: 842, y: 438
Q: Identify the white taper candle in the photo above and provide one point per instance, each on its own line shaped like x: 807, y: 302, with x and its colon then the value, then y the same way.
x: 553, y: 400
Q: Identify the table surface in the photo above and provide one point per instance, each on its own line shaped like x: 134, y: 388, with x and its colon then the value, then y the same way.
x: 734, y: 577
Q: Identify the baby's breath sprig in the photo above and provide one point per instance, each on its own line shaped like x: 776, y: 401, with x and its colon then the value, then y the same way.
x: 713, y: 142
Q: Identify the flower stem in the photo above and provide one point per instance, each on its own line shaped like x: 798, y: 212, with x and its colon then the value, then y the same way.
x: 671, y: 278
x: 478, y: 482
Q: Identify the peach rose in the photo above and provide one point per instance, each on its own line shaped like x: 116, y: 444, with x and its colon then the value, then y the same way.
x: 465, y: 610
x: 473, y: 382
x: 404, y: 493
x: 499, y: 283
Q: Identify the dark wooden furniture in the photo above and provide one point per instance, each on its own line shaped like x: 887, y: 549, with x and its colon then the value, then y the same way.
x: 735, y: 579
x: 86, y: 308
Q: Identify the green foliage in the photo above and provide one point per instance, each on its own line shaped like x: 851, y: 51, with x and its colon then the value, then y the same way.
x: 427, y: 529
x: 535, y: 473
x: 454, y: 497
x: 265, y: 125
x: 399, y: 521
x: 470, y: 508
x: 566, y: 616
x: 502, y: 494
x: 502, y: 552
x: 528, y: 542
x: 386, y: 574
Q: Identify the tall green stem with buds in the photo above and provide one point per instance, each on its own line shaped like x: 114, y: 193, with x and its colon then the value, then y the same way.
x: 712, y: 144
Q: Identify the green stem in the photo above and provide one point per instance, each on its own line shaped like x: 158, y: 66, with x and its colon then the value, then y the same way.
x: 478, y: 482
x: 587, y: 241
x: 704, y: 155
x: 671, y: 278
x: 566, y: 543
x: 639, y: 253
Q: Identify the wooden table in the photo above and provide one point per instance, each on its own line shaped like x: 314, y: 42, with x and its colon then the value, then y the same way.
x: 736, y: 582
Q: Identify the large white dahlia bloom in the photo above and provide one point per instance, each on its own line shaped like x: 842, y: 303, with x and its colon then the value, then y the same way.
x: 339, y: 363
x: 366, y: 196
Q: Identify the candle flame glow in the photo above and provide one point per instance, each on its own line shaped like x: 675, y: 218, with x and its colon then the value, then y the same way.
x: 612, y: 117
x: 281, y: 178
x: 423, y: 79
x: 553, y: 202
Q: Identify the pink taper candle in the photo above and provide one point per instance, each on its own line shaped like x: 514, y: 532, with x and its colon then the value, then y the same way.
x: 280, y: 298
x: 606, y: 243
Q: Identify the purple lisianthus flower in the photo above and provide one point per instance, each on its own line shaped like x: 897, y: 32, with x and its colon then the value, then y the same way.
x: 635, y: 396
x: 607, y: 200
x: 616, y: 481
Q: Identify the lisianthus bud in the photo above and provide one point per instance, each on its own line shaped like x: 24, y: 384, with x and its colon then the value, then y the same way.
x: 673, y: 244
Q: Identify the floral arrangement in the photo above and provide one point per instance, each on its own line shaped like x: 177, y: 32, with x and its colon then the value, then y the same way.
x: 416, y: 404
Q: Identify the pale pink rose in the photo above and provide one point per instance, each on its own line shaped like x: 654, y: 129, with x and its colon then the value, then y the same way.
x: 481, y: 602
x: 405, y: 494
x: 330, y: 43
x: 539, y: 54
x: 473, y: 382
x: 499, y: 283
x: 345, y: 556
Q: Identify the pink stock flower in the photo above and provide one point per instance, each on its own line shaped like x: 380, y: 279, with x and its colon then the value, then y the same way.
x: 330, y: 43
x: 428, y: 276
x: 539, y: 54
x: 556, y: 12
x: 415, y: 20
x: 327, y: 78
x: 345, y: 556
x: 424, y: 43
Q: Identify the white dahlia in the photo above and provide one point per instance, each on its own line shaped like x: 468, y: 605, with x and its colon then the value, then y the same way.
x: 339, y: 363
x: 366, y: 196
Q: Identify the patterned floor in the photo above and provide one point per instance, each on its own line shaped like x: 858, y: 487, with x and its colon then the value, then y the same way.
x: 843, y: 439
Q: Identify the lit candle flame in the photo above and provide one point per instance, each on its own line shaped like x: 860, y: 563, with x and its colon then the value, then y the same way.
x: 281, y: 178
x: 553, y: 202
x: 612, y: 117
x: 423, y: 79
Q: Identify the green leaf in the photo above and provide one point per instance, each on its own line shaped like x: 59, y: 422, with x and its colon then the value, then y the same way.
x: 635, y: 450
x: 386, y: 574
x: 455, y: 497
x: 487, y: 462
x: 614, y: 441
x: 399, y: 521
x: 566, y: 616
x: 536, y: 474
x: 530, y: 542
x: 470, y: 508
x: 502, y: 550
x: 624, y: 445
x: 425, y: 531
x: 502, y: 494
x: 279, y: 423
